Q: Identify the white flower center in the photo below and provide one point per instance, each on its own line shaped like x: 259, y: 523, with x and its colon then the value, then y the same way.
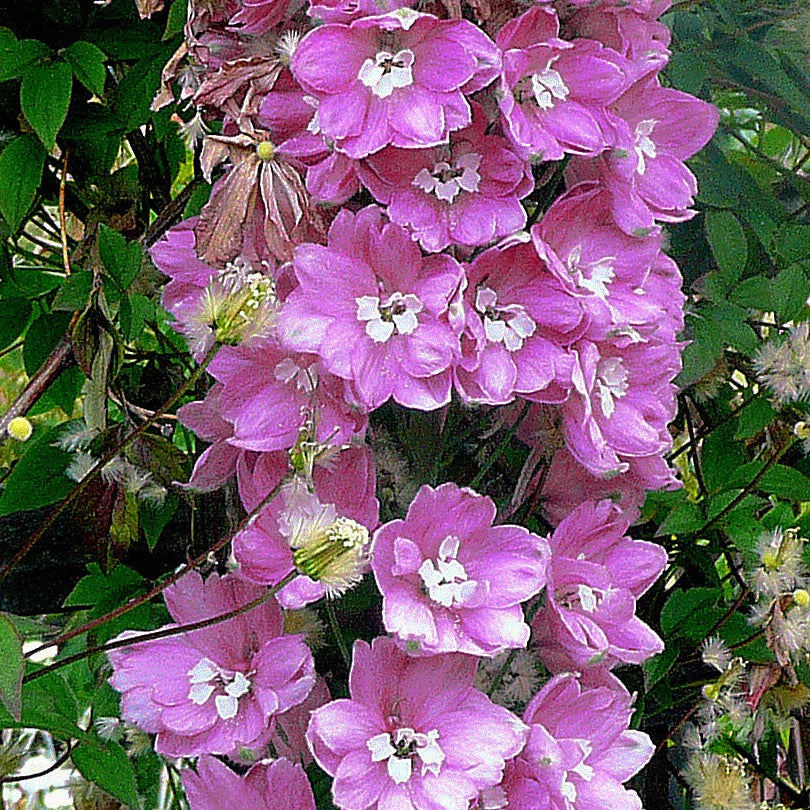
x: 585, y: 772
x: 387, y: 71
x: 446, y: 181
x: 396, y: 314
x: 583, y: 597
x: 304, y: 379
x: 644, y: 145
x: 206, y: 678
x: 592, y: 276
x: 446, y: 581
x: 398, y: 750
x: 548, y: 86
x: 509, y: 324
x: 611, y: 382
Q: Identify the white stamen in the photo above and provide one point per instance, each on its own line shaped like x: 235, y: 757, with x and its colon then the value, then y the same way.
x: 548, y: 86
x: 611, y: 383
x: 509, y: 324
x: 644, y: 145
x: 446, y: 181
x: 594, y: 276
x: 387, y: 71
x: 305, y: 379
x: 446, y: 581
x: 587, y: 598
x: 396, y: 314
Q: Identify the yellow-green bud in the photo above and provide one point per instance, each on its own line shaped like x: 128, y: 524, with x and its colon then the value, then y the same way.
x: 801, y: 597
x: 266, y: 150
x: 770, y: 559
x: 20, y: 428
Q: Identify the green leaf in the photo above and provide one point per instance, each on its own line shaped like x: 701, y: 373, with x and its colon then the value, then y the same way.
x: 659, y: 665
x: 134, y: 312
x: 107, y: 764
x: 42, y: 337
x: 155, y: 518
x: 47, y: 703
x: 728, y: 242
x: 45, y: 98
x: 14, y: 316
x: 122, y: 259
x: 38, y: 478
x: 16, y: 57
x: 176, y: 19
x: 75, y: 292
x: 754, y: 293
x: 87, y: 62
x: 786, y: 482
x: 686, y: 517
x: 21, y: 164
x: 11, y: 672
x: 686, y: 612
x: 790, y: 290
x: 754, y: 418
x: 792, y: 243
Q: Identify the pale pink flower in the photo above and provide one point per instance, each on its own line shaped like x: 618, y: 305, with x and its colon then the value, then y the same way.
x: 398, y: 78
x: 415, y: 735
x: 217, y: 689
x: 375, y: 311
x: 453, y: 582
x: 466, y: 192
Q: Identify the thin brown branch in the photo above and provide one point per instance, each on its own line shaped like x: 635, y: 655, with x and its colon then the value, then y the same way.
x: 62, y: 215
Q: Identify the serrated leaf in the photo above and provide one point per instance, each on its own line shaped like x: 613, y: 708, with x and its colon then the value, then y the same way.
x: 87, y: 62
x: 754, y: 418
x: 684, y: 518
x: 74, y: 292
x: 107, y: 764
x: 45, y: 98
x: 789, y: 291
x: 21, y: 164
x: 685, y: 611
x: 121, y: 258
x: 13, y: 665
x: 38, y: 478
x: 786, y: 482
x: 728, y: 242
x: 16, y: 57
x: 791, y: 243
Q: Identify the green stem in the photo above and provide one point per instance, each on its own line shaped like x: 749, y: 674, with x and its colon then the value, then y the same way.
x: 501, y: 449
x: 338, y: 634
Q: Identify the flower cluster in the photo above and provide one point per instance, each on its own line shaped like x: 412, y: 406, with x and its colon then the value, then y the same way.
x: 369, y: 244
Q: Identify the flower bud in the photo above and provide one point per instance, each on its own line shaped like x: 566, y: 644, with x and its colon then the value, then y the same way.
x: 801, y: 597
x: 20, y: 428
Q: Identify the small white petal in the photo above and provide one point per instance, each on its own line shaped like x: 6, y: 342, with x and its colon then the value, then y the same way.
x: 200, y: 692
x: 204, y: 671
x: 368, y: 307
x: 380, y: 747
x: 400, y: 769
x: 379, y: 331
x: 227, y: 706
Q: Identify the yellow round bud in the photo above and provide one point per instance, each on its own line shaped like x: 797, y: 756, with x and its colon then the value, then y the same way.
x: 802, y: 430
x: 770, y: 559
x: 20, y: 429
x: 801, y: 597
x: 266, y: 150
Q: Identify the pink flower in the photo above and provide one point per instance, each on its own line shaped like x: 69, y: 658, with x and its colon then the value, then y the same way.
x: 396, y: 78
x: 375, y: 311
x: 217, y: 689
x: 415, y: 734
x: 519, y: 321
x: 269, y: 395
x: 289, y: 735
x: 264, y: 549
x: 579, y: 750
x: 621, y: 405
x: 553, y: 93
x: 277, y: 785
x: 596, y: 575
x: 451, y: 582
x: 659, y: 128
x: 467, y: 192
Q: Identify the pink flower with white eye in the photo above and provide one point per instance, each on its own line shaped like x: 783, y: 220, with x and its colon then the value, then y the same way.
x: 659, y: 128
x: 466, y: 192
x: 519, y: 321
x: 579, y: 751
x: 415, y: 734
x: 269, y: 395
x: 217, y: 689
x: 376, y: 311
x: 621, y: 404
x: 596, y: 574
x: 451, y: 582
x: 398, y: 78
x: 343, y: 498
x: 553, y: 94
x: 277, y: 785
